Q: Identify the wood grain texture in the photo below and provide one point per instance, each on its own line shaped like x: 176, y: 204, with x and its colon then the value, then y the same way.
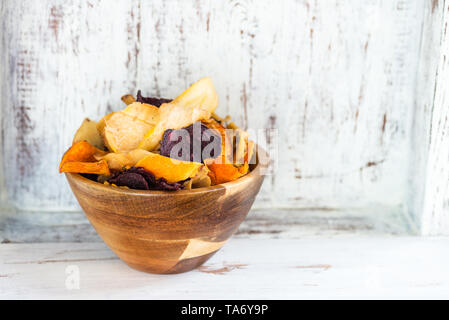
x: 314, y: 268
x: 435, y: 213
x: 166, y: 232
x: 337, y: 79
x: 32, y: 227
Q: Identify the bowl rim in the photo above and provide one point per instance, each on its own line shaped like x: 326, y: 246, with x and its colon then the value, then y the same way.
x: 260, y: 153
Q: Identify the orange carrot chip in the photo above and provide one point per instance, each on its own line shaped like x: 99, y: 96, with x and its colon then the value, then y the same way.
x: 223, y: 172
x: 81, y: 151
x: 170, y: 169
x: 100, y: 167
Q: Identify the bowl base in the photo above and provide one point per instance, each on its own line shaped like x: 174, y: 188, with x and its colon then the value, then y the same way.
x: 181, y: 267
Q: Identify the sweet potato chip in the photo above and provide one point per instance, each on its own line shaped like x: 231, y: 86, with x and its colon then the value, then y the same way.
x: 81, y: 151
x: 171, y: 169
x: 100, y: 167
x: 226, y: 150
x: 250, y: 152
x: 223, y: 172
x: 243, y: 169
x: 194, y: 104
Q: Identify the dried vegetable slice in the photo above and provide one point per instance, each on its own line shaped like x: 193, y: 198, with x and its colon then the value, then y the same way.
x: 191, y: 142
x: 81, y: 151
x: 122, y: 131
x: 229, y: 168
x: 201, y: 179
x: 128, y: 99
x: 194, y: 104
x: 171, y: 169
x: 118, y: 161
x: 99, y: 167
x: 88, y: 131
x: 139, y: 178
x: 142, y: 137
x: 157, y: 102
x: 223, y: 172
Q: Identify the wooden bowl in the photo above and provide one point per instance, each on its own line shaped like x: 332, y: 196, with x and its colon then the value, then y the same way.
x: 167, y: 232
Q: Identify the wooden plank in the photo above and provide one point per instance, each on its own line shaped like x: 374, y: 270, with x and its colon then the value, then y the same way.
x: 337, y: 267
x: 32, y: 227
x: 65, y: 62
x: 424, y: 100
x: 335, y: 78
x: 435, y: 215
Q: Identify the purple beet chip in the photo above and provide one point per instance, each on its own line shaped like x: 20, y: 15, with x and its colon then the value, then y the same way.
x: 151, y: 100
x: 148, y: 176
x: 130, y: 180
x: 141, y: 179
x: 190, y: 143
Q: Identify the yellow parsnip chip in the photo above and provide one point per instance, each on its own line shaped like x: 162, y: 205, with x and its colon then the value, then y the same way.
x: 122, y: 131
x: 194, y: 104
x: 117, y: 161
x: 201, y: 179
x: 241, y: 146
x: 144, y: 112
x: 88, y: 131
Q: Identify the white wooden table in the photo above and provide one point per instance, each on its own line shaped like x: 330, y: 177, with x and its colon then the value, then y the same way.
x: 377, y: 267
x: 274, y: 254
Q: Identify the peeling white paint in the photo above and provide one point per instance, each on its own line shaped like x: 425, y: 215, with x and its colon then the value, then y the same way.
x: 338, y: 79
x: 435, y: 214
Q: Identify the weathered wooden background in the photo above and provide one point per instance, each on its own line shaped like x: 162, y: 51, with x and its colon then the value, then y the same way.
x: 355, y: 88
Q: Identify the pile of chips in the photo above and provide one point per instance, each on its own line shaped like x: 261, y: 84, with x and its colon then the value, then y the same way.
x: 162, y: 144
